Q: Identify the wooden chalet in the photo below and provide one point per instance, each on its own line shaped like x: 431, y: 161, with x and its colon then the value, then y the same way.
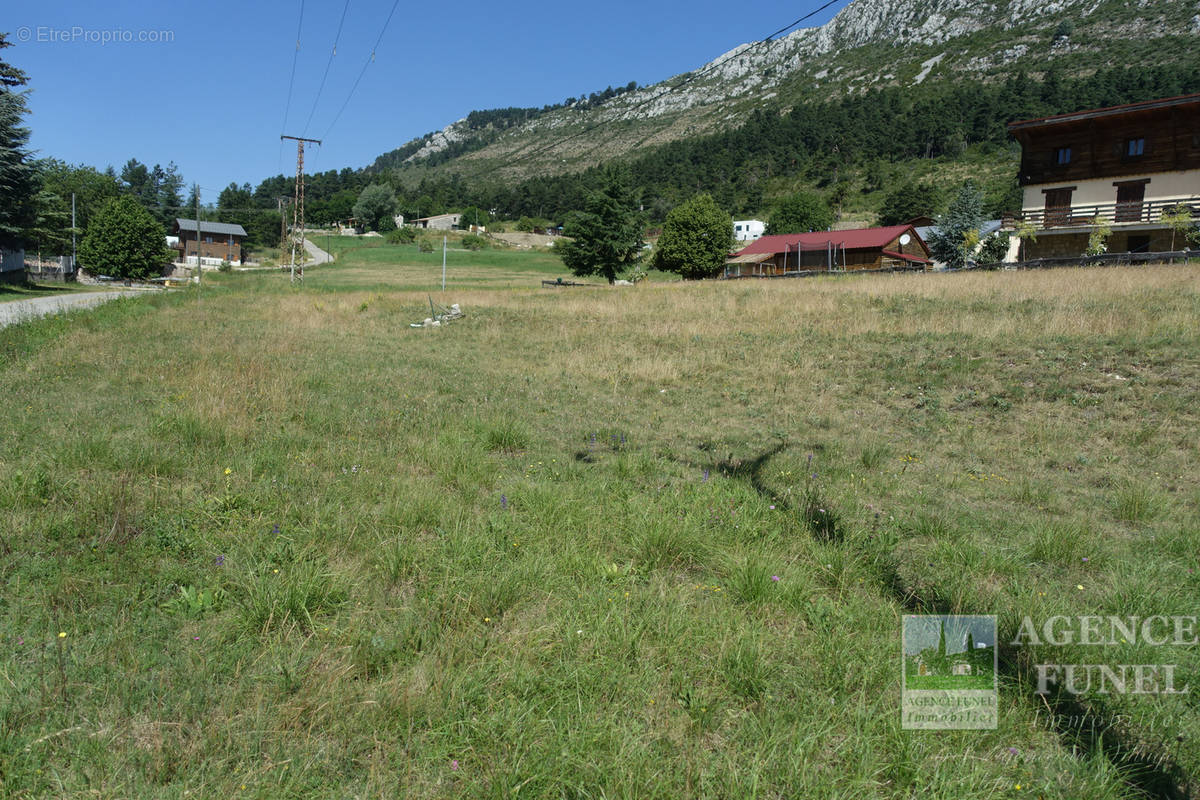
x: 217, y: 241
x: 1122, y: 166
x: 895, y: 247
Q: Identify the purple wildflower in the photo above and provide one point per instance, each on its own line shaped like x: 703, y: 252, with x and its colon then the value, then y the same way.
x: 454, y: 764
x: 705, y: 479
x: 1085, y: 559
x: 219, y: 561
x: 1013, y: 750
x: 503, y: 501
x: 775, y: 578
x: 275, y: 529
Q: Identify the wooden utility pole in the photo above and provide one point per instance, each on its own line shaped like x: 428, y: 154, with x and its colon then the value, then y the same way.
x: 298, y: 203
x: 74, y: 264
x: 199, y: 263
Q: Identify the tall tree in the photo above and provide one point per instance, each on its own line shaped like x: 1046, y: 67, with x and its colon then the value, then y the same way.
x: 124, y: 241
x: 376, y: 207
x: 958, y: 228
x: 908, y: 201
x: 90, y: 187
x: 606, y: 236
x: 18, y: 180
x: 170, y: 192
x: 800, y: 213
x: 695, y: 240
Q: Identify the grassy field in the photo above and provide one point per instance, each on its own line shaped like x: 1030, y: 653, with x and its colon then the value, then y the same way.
x: 645, y: 542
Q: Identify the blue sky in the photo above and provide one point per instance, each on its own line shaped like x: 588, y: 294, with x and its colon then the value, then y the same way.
x: 212, y: 96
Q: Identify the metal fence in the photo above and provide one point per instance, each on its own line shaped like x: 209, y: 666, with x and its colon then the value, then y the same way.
x: 57, y: 270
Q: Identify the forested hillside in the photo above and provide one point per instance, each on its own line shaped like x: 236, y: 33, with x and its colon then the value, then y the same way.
x: 850, y: 148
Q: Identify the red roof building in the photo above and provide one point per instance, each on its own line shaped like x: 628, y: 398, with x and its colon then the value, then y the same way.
x: 895, y: 247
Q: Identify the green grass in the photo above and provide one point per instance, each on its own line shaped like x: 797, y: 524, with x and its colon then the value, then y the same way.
x: 646, y: 542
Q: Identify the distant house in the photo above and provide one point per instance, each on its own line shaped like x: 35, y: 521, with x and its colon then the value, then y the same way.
x: 748, y: 230
x: 217, y: 241
x: 895, y: 247
x: 442, y: 222
x: 1122, y: 166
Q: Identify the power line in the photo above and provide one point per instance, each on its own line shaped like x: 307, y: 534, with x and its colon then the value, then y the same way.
x: 337, y: 37
x: 690, y: 78
x: 287, y: 108
x: 370, y: 60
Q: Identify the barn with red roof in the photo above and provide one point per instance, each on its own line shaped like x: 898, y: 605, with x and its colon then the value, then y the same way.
x: 895, y: 247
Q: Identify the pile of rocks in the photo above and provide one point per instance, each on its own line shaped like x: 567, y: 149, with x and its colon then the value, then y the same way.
x: 436, y: 321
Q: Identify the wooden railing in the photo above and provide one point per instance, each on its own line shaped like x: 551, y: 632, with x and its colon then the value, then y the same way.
x: 1136, y: 213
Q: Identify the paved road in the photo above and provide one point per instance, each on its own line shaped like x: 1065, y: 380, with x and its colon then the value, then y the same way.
x: 317, y: 255
x: 14, y: 311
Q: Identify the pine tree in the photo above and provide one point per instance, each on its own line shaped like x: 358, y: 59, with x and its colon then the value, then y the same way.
x: 18, y: 179
x: 958, y: 228
x: 606, y: 236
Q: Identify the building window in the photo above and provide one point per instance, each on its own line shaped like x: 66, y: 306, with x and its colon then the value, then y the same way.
x: 1062, y: 156
x: 208, y: 240
x: 1135, y: 148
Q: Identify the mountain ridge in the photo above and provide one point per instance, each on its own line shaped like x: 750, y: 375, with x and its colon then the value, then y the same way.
x: 869, y: 43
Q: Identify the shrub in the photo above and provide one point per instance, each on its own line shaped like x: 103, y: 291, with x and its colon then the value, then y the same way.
x: 404, y: 235
x: 473, y: 242
x: 994, y: 249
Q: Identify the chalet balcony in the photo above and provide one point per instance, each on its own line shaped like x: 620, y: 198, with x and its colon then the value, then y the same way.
x: 1146, y: 212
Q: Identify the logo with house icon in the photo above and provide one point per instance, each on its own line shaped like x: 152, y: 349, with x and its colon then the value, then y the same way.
x: 949, y: 672
x: 949, y: 652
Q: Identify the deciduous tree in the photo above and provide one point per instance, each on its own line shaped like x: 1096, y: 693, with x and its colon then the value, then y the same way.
x: 376, y: 204
x: 908, y: 201
x: 124, y: 240
x: 800, y: 213
x: 695, y: 240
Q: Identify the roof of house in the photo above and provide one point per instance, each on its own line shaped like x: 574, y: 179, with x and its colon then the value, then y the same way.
x: 986, y: 229
x: 223, y: 228
x: 1094, y: 113
x: 857, y: 239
